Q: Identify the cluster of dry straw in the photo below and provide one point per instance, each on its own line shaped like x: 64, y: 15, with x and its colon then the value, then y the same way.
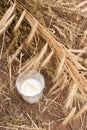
x: 67, y: 62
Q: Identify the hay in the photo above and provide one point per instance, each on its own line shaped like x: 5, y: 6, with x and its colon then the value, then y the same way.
x: 68, y: 118
x: 7, y: 19
x: 19, y: 21
x: 69, y: 61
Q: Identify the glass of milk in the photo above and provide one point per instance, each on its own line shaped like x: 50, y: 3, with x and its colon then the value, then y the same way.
x: 30, y: 85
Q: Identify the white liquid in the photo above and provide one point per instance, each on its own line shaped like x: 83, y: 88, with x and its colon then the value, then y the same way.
x: 31, y: 87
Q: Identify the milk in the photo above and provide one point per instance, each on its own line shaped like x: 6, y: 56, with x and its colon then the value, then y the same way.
x: 30, y: 85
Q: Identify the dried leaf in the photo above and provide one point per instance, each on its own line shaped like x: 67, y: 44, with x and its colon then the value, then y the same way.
x: 42, y: 52
x: 7, y: 15
x: 19, y: 21
x: 32, y: 33
x: 81, y: 111
x: 69, y: 117
x: 72, y: 93
x: 12, y: 57
x: 60, y: 68
x: 82, y: 4
x: 2, y: 30
x: 47, y: 59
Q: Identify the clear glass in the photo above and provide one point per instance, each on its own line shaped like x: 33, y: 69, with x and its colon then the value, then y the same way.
x: 28, y: 74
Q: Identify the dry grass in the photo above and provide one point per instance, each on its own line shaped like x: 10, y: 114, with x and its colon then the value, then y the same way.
x: 19, y: 21
x: 62, y: 51
x: 68, y: 118
x: 7, y: 19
